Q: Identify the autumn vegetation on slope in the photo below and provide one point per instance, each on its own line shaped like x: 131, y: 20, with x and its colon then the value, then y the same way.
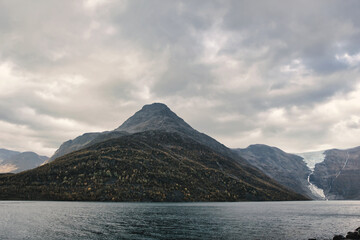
x: 146, y: 166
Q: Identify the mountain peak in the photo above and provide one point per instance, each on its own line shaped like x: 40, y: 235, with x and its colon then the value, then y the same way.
x: 158, y: 109
x: 155, y: 106
x: 155, y: 116
x: 151, y: 117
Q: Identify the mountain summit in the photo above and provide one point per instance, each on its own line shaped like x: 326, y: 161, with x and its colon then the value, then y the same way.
x: 156, y: 116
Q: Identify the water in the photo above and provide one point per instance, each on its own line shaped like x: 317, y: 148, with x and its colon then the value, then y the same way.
x: 242, y: 220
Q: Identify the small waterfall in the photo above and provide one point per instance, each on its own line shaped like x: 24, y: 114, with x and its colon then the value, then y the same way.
x: 343, y: 167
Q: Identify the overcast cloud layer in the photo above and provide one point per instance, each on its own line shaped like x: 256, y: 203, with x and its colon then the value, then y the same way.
x: 283, y: 73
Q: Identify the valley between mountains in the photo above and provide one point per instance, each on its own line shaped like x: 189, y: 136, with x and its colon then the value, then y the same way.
x: 156, y: 156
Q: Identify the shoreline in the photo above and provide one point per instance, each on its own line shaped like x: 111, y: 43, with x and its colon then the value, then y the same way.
x: 349, y: 236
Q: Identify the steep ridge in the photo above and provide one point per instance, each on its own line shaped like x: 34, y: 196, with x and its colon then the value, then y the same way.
x: 287, y: 169
x: 13, y: 161
x: 145, y: 166
x: 85, y: 140
x: 339, y: 174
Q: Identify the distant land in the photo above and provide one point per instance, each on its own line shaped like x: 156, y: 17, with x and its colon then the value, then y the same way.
x: 13, y: 161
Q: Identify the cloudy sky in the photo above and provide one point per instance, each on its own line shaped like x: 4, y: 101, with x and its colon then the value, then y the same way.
x: 283, y: 73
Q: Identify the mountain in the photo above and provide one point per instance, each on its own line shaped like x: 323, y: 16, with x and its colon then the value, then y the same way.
x: 329, y: 174
x: 145, y: 166
x: 339, y: 174
x: 13, y: 161
x: 288, y: 169
x: 156, y: 116
x: 153, y: 156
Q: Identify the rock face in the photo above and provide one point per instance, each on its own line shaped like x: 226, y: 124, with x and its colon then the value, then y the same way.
x: 13, y: 161
x: 146, y: 166
x: 153, y: 156
x: 288, y: 169
x: 339, y: 174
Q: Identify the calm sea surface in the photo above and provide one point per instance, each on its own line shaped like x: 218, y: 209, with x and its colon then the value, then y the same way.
x: 245, y: 220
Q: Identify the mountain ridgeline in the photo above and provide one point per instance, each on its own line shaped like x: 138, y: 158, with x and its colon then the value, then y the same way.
x: 153, y: 156
x: 13, y: 161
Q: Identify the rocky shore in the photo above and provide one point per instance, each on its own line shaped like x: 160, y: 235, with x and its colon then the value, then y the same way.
x: 349, y: 235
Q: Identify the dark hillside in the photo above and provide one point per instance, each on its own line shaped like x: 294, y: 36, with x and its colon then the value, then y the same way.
x: 147, y: 166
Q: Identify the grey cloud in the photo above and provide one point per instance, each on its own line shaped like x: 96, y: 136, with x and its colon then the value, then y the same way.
x: 227, y: 66
x: 309, y: 30
x: 184, y: 77
x: 34, y: 30
x: 159, y: 23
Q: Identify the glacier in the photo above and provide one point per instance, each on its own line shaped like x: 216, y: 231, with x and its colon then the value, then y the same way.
x: 311, y: 159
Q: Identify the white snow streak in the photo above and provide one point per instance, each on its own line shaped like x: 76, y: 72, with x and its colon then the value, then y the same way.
x: 346, y: 161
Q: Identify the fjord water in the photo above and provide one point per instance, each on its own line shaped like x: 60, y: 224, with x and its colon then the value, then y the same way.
x: 240, y: 220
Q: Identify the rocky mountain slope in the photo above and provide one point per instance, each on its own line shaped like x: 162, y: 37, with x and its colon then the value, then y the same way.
x: 288, y: 169
x: 339, y: 174
x: 13, y: 161
x: 146, y: 166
